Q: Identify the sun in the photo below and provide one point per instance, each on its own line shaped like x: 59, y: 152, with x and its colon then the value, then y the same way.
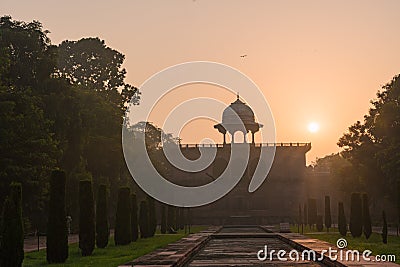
x: 313, y: 127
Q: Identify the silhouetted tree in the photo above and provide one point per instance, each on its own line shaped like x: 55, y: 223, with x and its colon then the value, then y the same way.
x: 102, y: 227
x: 367, y: 227
x: 57, y: 233
x: 342, y: 223
x: 86, y: 218
x: 320, y: 223
x: 12, y: 232
x: 356, y: 222
x: 152, y: 216
x: 134, y: 218
x: 144, y: 220
x: 123, y: 234
x: 384, y: 228
x: 163, y: 220
x: 328, y: 218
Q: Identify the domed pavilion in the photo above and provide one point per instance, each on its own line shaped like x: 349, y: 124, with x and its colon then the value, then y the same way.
x: 238, y: 116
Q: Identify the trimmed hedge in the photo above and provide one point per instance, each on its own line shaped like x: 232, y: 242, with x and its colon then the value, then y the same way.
x: 163, y: 220
x: 123, y: 233
x: 342, y: 223
x: 328, y: 217
x: 356, y: 222
x: 57, y: 232
x: 102, y: 226
x: 384, y: 228
x: 87, y: 226
x: 12, y: 231
x: 134, y: 218
x: 144, y: 220
x: 320, y: 223
x: 152, y: 217
x: 367, y: 226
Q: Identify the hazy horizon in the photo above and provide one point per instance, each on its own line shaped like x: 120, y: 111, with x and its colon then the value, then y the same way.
x: 315, y: 61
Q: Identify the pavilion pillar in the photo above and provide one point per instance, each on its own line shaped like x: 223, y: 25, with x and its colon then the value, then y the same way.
x: 252, y: 137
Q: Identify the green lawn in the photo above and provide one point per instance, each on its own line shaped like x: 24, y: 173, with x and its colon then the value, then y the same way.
x: 112, y: 255
x: 374, y: 243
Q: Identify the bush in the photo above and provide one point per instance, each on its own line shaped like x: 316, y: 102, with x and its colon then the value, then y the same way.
x: 134, y: 218
x: 123, y: 233
x: 356, y: 215
x: 342, y: 223
x: 86, y: 218
x: 328, y: 218
x: 102, y: 227
x: 384, y: 228
x: 366, y: 217
x: 163, y: 220
x: 144, y: 220
x: 320, y: 223
x: 57, y: 233
x: 152, y: 217
x: 12, y: 231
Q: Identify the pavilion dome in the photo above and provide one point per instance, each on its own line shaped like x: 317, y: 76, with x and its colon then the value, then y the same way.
x: 238, y: 108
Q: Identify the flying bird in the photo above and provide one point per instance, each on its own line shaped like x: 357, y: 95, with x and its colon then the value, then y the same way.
x: 243, y: 56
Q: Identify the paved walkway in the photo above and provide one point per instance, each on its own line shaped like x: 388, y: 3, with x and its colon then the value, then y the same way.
x: 238, y: 246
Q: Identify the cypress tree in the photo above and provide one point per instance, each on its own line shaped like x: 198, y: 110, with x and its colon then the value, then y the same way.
x: 328, y: 218
x: 181, y: 219
x: 57, y: 232
x: 123, y: 234
x: 134, y: 218
x: 366, y: 217
x: 305, y: 214
x: 102, y: 227
x: 312, y: 211
x: 170, y: 218
x: 342, y: 223
x: 384, y: 228
x: 163, y: 220
x: 320, y: 223
x: 176, y: 218
x: 144, y: 220
x: 152, y: 217
x: 12, y: 232
x: 398, y: 207
x: 356, y: 215
x: 86, y: 218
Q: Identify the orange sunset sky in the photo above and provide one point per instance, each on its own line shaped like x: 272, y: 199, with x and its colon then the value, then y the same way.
x: 315, y: 61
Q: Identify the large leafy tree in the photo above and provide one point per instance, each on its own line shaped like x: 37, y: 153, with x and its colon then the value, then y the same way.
x: 91, y: 64
x: 373, y: 146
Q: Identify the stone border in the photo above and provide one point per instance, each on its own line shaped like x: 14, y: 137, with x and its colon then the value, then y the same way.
x: 176, y: 254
